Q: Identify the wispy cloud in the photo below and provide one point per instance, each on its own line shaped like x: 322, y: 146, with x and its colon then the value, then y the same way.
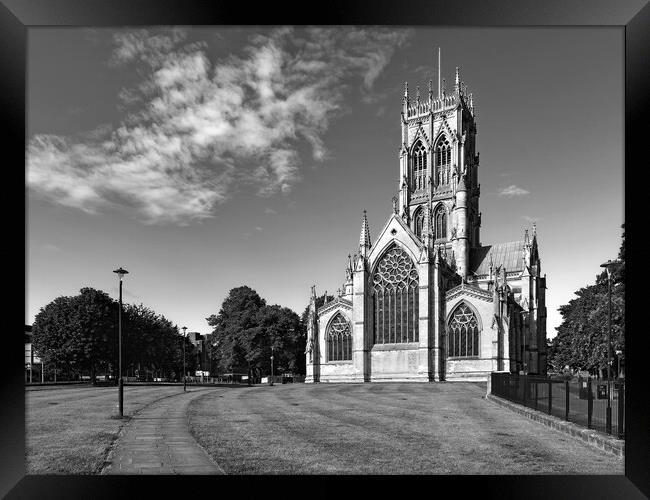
x: 196, y: 129
x: 270, y: 211
x: 531, y: 219
x: 512, y: 191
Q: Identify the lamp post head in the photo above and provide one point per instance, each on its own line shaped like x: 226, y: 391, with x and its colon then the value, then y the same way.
x: 608, y: 265
x: 121, y: 272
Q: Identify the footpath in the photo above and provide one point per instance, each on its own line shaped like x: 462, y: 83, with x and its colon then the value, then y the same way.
x: 157, y: 440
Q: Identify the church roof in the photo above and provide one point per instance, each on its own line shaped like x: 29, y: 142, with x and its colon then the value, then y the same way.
x: 508, y: 254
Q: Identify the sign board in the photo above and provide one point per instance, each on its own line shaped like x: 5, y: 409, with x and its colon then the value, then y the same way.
x: 200, y: 373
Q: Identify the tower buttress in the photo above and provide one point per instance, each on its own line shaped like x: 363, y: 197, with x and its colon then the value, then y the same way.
x: 462, y: 243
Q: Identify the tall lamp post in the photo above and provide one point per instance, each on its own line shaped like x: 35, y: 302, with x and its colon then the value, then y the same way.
x: 120, y: 382
x: 184, y: 377
x: 608, y: 415
x: 271, y: 365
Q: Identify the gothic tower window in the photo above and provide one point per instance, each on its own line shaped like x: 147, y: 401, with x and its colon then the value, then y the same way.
x: 339, y: 339
x: 418, y: 166
x: 443, y: 161
x: 395, y: 288
x: 440, y: 222
x: 463, y: 333
x: 418, y: 222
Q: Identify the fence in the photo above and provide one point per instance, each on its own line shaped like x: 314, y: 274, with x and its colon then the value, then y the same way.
x: 582, y: 401
x: 286, y: 379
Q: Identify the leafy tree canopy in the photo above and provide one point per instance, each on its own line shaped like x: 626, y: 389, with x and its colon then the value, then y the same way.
x: 581, y: 341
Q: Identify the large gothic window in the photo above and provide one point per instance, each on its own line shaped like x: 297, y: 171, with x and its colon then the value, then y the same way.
x: 462, y: 333
x: 395, y: 287
x: 443, y: 161
x: 418, y: 167
x: 440, y: 222
x: 418, y: 222
x: 339, y: 339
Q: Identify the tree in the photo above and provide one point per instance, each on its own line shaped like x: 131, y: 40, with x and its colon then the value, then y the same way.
x: 581, y: 341
x: 151, y: 343
x: 231, y: 328
x: 246, y: 328
x: 281, y: 329
x: 78, y: 332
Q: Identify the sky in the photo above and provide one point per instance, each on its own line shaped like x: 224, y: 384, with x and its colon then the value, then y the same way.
x: 201, y: 159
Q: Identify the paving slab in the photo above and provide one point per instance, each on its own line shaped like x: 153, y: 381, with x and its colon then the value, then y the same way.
x: 157, y: 440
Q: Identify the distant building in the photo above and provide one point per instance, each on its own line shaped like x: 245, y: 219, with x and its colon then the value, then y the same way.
x: 200, y: 343
x: 428, y: 301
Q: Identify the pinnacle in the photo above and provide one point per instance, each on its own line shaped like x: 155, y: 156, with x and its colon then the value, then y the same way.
x: 364, y: 238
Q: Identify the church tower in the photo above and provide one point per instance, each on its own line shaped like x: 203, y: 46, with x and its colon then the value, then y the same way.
x: 439, y: 168
x: 426, y: 301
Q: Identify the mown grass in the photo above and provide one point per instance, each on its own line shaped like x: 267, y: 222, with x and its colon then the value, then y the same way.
x: 381, y: 429
x: 70, y: 430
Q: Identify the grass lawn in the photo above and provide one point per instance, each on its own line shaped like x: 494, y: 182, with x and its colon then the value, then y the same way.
x: 69, y: 430
x: 389, y: 428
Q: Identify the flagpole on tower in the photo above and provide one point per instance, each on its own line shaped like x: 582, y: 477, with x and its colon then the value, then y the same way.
x: 438, y: 72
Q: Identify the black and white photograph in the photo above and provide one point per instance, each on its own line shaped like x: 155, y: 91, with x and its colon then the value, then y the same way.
x: 325, y: 250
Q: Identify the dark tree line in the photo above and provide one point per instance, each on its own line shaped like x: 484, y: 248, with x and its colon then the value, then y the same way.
x: 581, y: 341
x: 79, y: 336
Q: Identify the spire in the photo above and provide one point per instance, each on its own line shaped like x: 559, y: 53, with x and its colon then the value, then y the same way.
x: 526, y: 239
x: 312, y: 298
x: 364, y: 238
x: 534, y: 230
x: 457, y: 81
x: 471, y: 103
x: 405, y: 100
x: 443, y: 87
x: 430, y: 90
x: 349, y: 269
x: 395, y: 202
x: 417, y: 94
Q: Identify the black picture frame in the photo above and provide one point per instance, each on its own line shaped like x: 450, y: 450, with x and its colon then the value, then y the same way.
x: 633, y: 16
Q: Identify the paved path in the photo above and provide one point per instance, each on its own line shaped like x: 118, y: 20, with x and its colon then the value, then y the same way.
x: 157, y: 441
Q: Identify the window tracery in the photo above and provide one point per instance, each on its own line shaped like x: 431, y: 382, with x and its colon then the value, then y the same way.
x: 395, y: 287
x: 418, y: 167
x: 463, y: 333
x: 443, y: 161
x: 418, y: 222
x: 440, y: 222
x: 339, y: 339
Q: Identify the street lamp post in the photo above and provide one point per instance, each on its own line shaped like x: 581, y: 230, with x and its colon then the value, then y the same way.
x: 184, y: 376
x: 120, y: 382
x: 271, y: 365
x: 608, y: 415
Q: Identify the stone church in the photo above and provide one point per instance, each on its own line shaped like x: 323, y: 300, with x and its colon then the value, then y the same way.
x: 426, y: 300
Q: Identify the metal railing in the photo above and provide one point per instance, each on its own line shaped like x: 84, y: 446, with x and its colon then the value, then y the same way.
x: 582, y: 401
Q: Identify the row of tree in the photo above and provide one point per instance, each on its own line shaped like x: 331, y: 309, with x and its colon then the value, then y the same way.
x: 581, y: 341
x: 79, y: 336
